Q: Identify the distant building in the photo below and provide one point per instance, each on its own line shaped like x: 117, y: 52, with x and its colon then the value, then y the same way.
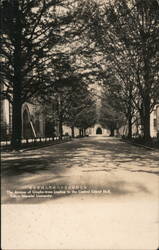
x: 67, y: 131
x: 97, y: 129
x: 154, y: 122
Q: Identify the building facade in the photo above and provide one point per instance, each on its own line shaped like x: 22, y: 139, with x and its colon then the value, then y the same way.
x: 33, y: 120
x: 154, y: 122
x: 97, y: 129
x: 34, y: 123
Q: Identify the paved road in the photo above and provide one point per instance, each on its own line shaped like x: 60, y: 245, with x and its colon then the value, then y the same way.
x: 128, y: 210
x: 95, y: 162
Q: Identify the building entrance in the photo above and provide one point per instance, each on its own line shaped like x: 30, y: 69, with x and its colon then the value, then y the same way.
x: 98, y: 131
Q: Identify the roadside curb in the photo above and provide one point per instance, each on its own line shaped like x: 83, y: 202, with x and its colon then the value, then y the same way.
x: 140, y: 145
x: 34, y: 147
x: 44, y: 146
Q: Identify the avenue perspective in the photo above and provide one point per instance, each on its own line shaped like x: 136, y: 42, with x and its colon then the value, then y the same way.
x: 80, y: 122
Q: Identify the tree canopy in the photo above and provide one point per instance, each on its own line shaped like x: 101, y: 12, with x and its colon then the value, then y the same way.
x: 127, y: 35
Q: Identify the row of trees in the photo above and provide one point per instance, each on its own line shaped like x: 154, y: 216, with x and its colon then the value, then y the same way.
x: 111, y: 116
x: 51, y: 51
x: 40, y: 53
x: 126, y: 34
x: 72, y: 106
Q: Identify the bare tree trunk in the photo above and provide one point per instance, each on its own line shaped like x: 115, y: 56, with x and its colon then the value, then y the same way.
x: 17, y: 87
x: 72, y: 131
x: 130, y: 127
x: 16, y: 122
x: 130, y: 113
x: 80, y: 132
x: 60, y: 129
x: 112, y: 132
x: 147, y: 98
x: 147, y: 136
x: 84, y: 132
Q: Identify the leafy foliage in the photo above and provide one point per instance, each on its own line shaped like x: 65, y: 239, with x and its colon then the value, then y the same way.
x: 127, y: 35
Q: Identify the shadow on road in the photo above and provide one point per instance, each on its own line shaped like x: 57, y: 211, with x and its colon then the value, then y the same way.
x: 78, y: 162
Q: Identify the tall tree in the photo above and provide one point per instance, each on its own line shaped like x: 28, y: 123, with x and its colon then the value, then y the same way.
x: 120, y: 95
x: 112, y: 114
x: 80, y: 111
x: 72, y: 103
x: 30, y: 30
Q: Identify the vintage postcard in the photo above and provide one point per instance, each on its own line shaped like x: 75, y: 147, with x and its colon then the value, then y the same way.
x: 80, y: 124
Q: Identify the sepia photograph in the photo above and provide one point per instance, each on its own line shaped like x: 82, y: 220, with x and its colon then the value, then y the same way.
x: 79, y: 124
